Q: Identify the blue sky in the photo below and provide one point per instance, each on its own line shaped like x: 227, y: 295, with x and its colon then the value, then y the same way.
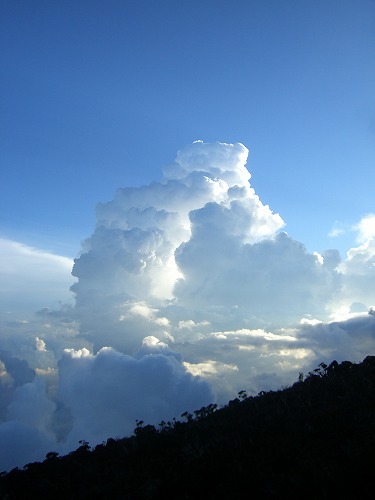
x: 99, y: 95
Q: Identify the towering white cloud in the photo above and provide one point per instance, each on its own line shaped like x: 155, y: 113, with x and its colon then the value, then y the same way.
x: 144, y: 237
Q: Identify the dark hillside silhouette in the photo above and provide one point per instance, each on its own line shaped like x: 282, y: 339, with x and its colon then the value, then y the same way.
x: 315, y: 439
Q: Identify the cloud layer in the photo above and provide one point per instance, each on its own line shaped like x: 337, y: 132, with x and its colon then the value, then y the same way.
x: 31, y: 277
x: 188, y: 290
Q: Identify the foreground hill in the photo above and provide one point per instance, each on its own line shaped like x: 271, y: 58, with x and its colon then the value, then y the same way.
x: 315, y: 439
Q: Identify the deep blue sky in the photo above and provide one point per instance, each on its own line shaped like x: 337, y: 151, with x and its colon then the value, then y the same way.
x: 97, y: 95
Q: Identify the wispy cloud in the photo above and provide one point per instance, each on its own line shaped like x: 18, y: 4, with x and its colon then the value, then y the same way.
x: 31, y: 277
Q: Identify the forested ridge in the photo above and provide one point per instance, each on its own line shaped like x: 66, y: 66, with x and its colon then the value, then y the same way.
x: 315, y: 439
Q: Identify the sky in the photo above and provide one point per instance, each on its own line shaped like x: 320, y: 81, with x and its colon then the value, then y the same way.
x: 186, y: 207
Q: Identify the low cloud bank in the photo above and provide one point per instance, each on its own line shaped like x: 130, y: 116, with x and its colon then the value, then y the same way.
x: 91, y: 397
